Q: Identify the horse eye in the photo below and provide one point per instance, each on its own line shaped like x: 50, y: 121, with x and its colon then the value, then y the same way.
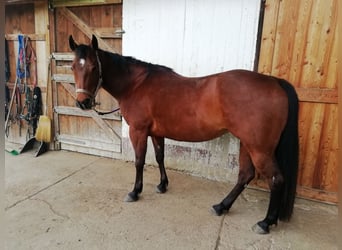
x: 72, y: 68
x: 93, y: 68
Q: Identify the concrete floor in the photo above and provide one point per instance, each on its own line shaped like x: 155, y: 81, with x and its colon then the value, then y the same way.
x: 66, y: 200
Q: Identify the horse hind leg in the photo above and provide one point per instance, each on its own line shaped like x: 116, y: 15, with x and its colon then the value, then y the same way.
x: 159, y: 145
x: 246, y: 174
x: 269, y: 169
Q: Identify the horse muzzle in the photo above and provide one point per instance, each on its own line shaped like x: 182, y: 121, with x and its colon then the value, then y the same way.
x: 85, y: 104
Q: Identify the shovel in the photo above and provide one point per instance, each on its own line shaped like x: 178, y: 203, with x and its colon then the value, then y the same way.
x: 42, y: 137
x: 43, y: 132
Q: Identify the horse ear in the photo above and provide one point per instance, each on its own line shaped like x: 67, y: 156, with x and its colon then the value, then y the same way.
x: 72, y: 43
x: 94, y: 43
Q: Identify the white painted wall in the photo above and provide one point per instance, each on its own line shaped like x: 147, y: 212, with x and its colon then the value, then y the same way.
x: 195, y: 38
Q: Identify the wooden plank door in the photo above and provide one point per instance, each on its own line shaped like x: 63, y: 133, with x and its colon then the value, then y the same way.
x: 299, y: 43
x: 75, y: 129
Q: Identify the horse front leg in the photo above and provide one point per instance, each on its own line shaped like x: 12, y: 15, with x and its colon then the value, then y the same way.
x: 139, y: 142
x: 159, y: 144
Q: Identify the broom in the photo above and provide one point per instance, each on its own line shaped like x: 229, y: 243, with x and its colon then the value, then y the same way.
x: 43, y: 132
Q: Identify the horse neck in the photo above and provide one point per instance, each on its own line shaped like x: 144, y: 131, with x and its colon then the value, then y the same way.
x: 119, y: 78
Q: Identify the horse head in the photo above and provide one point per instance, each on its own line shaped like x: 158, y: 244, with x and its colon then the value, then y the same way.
x: 86, y: 67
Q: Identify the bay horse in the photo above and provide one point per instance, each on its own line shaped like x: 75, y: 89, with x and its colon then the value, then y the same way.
x: 260, y: 110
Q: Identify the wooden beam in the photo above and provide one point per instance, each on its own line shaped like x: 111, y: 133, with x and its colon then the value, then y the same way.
x: 60, y: 56
x: 85, y: 29
x: 8, y: 2
x: 111, y: 132
x: 317, y: 95
x: 69, y: 3
x: 70, y: 89
x: 66, y: 110
x: 33, y: 37
x: 110, y: 32
x: 11, y: 86
x: 77, y: 141
x: 301, y: 192
x: 63, y: 78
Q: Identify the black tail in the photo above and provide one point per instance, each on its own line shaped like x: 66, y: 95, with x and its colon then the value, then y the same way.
x: 287, y: 153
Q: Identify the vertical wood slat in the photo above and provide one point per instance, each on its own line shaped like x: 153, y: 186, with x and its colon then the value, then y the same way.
x: 328, y: 151
x: 300, y: 41
x: 321, y: 34
x: 42, y: 47
x: 268, y: 37
x: 286, y: 31
x: 300, y: 45
x: 311, y: 130
x: 60, y: 34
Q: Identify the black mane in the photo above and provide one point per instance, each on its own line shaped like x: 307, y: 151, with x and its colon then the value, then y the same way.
x: 125, y: 61
x: 122, y: 62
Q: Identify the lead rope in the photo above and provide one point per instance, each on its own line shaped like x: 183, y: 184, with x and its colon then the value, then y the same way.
x: 98, y: 88
x: 106, y: 112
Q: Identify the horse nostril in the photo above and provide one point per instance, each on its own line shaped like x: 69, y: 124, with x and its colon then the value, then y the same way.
x: 88, y: 103
x: 85, y: 104
x: 79, y: 105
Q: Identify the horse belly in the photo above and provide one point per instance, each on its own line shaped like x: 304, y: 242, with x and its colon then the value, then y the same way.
x: 188, y: 128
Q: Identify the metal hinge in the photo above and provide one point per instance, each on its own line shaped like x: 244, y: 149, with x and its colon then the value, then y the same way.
x: 119, y: 32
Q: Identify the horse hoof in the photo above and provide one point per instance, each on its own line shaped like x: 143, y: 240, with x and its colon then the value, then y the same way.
x: 217, y: 209
x: 131, y: 197
x: 161, y: 189
x: 259, y: 228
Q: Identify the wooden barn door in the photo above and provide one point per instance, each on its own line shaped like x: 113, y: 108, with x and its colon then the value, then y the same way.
x: 75, y: 129
x: 299, y: 43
